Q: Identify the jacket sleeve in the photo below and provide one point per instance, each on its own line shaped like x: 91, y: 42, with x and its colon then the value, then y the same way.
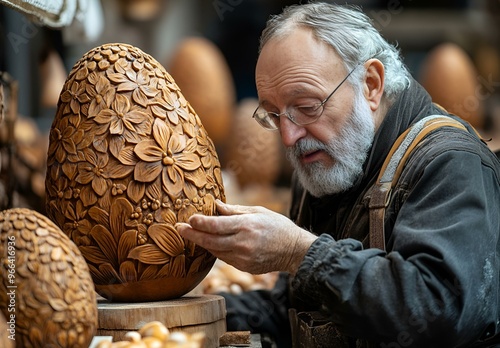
x: 438, y: 283
x: 261, y: 311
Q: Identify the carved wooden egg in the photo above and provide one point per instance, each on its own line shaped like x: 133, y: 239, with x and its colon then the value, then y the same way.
x: 46, y: 290
x: 450, y: 77
x: 202, y: 73
x: 128, y: 158
x: 254, y: 154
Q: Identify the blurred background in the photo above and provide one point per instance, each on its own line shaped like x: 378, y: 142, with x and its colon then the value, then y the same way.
x: 452, y: 47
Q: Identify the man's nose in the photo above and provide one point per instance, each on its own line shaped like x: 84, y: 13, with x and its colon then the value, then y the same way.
x: 290, y: 132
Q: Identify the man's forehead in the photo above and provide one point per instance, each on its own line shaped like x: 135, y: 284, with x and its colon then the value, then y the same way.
x: 298, y: 52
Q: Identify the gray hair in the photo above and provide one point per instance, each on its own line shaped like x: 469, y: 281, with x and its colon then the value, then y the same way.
x: 351, y: 34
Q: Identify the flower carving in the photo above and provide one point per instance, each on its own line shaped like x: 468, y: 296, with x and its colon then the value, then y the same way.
x: 165, y: 155
x: 63, y: 140
x: 135, y: 82
x: 169, y: 105
x: 125, y: 120
x: 77, y: 226
x: 101, y: 93
x: 92, y: 171
x: 75, y: 96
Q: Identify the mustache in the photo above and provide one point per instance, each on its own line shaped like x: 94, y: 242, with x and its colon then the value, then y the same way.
x: 304, y: 146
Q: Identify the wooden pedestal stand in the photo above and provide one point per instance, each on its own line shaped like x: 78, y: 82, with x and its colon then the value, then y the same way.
x: 204, y: 313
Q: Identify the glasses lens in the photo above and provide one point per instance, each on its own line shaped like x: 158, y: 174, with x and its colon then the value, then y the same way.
x: 307, y: 114
x: 266, y: 119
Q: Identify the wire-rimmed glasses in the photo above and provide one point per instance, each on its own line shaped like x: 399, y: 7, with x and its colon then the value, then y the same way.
x: 300, y: 115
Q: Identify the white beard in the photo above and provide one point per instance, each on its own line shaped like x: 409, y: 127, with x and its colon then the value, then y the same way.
x: 348, y: 150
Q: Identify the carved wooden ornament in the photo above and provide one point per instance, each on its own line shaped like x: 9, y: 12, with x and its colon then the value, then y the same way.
x: 45, y: 283
x: 128, y: 158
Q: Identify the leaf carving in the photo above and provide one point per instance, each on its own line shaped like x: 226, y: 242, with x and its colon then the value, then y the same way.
x: 128, y: 241
x: 167, y: 238
x: 166, y: 215
x: 135, y: 191
x: 93, y: 254
x: 149, y: 253
x: 121, y: 211
x: 109, y: 273
x: 164, y: 272
x: 176, y: 268
x: 100, y: 216
x: 106, y: 242
x: 150, y: 272
x: 128, y: 272
x: 179, y: 266
x: 97, y: 276
x: 196, y: 265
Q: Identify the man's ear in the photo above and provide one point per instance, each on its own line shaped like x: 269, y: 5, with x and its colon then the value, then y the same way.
x: 373, y: 86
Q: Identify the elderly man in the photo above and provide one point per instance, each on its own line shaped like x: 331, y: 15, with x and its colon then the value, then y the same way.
x: 340, y: 96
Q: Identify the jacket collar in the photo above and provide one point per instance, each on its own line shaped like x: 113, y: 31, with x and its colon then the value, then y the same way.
x: 411, y: 105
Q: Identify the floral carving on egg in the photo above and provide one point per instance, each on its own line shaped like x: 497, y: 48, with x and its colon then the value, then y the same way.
x: 128, y: 158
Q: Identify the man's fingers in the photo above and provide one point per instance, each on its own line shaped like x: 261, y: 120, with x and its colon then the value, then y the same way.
x: 209, y: 241
x: 221, y: 225
x: 231, y: 209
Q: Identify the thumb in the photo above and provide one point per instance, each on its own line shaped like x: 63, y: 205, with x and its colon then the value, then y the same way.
x: 230, y: 209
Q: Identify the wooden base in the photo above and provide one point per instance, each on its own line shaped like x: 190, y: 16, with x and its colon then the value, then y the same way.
x: 205, y: 313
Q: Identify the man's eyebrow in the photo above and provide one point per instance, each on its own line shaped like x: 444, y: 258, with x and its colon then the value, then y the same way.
x: 293, y: 93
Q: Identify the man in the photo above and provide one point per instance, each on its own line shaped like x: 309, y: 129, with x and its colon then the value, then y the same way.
x: 339, y: 95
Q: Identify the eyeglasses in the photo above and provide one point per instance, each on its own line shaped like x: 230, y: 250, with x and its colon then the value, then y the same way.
x: 300, y: 115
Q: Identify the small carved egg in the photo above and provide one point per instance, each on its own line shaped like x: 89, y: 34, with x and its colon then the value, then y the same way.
x: 254, y: 155
x: 46, y: 288
x: 202, y: 73
x: 452, y: 80
x: 128, y: 158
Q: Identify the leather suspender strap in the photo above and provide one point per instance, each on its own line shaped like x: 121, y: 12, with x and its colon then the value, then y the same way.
x: 392, y: 168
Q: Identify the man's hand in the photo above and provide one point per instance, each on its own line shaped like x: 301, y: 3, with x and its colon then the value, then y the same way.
x: 252, y: 239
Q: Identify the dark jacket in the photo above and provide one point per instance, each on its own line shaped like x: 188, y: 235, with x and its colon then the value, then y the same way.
x: 437, y: 285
